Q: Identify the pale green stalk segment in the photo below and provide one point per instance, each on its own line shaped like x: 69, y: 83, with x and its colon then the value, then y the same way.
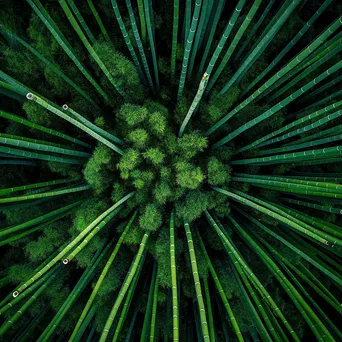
x: 33, y: 186
x: 9, y: 323
x: 142, y: 19
x: 289, y: 66
x: 154, y: 308
x: 84, y: 280
x: 76, y: 123
x: 90, y: 236
x: 324, y: 141
x: 82, y: 21
x: 148, y: 311
x: 98, y: 20
x: 139, y: 43
x: 189, y: 42
x: 218, y: 12
x: 210, y: 311
x: 249, y: 17
x: 44, y: 194
x: 71, y: 245
x: 323, y: 154
x: 41, y: 128
x: 255, y: 28
x: 66, y: 47
x: 236, y: 257
x: 42, y: 156
x: 305, y: 72
x: 197, y: 38
x: 200, y: 302
x: 279, y: 105
x: 221, y: 292
x: 287, y: 48
x: 126, y: 36
x: 124, y: 287
x: 195, y: 102
x: 246, y: 65
x: 151, y: 39
x: 42, y: 147
x: 267, y: 139
x: 93, y: 127
x: 175, y: 309
x: 88, y: 46
x: 314, y: 206
x: 101, y: 278
x: 174, y: 36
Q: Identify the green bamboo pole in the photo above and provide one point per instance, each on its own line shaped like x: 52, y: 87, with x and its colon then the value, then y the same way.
x: 234, y: 255
x: 6, y: 191
x: 50, y: 65
x: 249, y: 17
x: 98, y: 20
x: 288, y: 67
x: 53, y: 193
x: 76, y: 123
x: 66, y: 47
x: 326, y: 133
x: 154, y: 309
x: 70, y: 246
x: 139, y: 43
x: 209, y: 41
x: 151, y: 38
x: 210, y: 311
x: 38, y: 220
x: 189, y: 41
x: 88, y: 46
x: 200, y: 302
x: 127, y: 303
x: 197, y: 38
x: 322, y: 153
x: 126, y: 36
x: 86, y: 323
x: 221, y: 291
x: 148, y: 312
x: 42, y: 147
x: 195, y: 102
x: 41, y: 128
x: 90, y: 236
x: 175, y: 308
x: 288, y: 47
x: 265, y: 41
x: 9, y: 323
x: 277, y: 107
x: 93, y: 127
x: 328, y: 209
x: 103, y: 274
x: 84, y: 280
x: 82, y: 21
x: 124, y: 287
x: 174, y: 37
x: 253, y: 31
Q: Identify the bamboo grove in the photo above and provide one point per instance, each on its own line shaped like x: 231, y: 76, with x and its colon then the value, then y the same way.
x: 170, y: 170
